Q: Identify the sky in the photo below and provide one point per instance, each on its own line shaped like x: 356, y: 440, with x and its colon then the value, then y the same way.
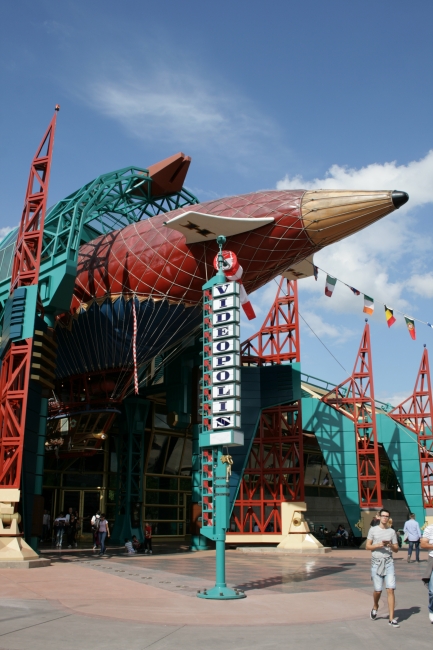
x: 286, y: 94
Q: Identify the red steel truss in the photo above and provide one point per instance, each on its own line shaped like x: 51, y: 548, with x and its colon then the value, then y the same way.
x: 25, y: 270
x: 355, y: 398
x: 416, y: 414
x: 15, y: 369
x: 278, y: 338
x: 274, y: 471
x: 275, y: 467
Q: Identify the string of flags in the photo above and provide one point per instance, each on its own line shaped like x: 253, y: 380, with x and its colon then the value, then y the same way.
x: 369, y: 303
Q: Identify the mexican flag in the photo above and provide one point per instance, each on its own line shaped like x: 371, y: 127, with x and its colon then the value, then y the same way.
x: 330, y: 285
x: 368, y: 305
x: 389, y: 315
x: 411, y: 327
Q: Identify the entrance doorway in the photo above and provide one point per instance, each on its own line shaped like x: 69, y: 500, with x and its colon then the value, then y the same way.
x: 87, y: 502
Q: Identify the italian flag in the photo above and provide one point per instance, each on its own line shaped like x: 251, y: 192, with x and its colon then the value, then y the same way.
x: 389, y: 315
x: 368, y: 305
x: 411, y: 327
x: 330, y: 285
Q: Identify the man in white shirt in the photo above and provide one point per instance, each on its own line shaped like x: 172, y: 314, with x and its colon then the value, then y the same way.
x: 413, y: 532
x: 427, y: 542
x: 382, y: 542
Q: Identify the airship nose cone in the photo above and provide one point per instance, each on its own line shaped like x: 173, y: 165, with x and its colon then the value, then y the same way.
x: 399, y: 198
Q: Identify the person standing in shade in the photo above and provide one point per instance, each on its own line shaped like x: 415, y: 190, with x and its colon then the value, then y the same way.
x: 413, y: 532
x: 104, y: 532
x: 71, y: 530
x: 382, y: 542
x: 148, y: 538
x: 427, y: 543
x: 45, y: 525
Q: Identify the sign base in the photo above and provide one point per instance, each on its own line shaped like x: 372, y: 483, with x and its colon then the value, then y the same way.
x: 221, y: 593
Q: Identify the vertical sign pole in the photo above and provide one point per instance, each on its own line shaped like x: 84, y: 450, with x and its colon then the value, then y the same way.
x: 221, y: 414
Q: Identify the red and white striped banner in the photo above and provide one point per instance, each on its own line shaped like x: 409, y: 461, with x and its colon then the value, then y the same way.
x: 134, y: 345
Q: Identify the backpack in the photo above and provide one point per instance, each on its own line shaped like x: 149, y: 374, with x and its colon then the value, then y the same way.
x: 95, y: 525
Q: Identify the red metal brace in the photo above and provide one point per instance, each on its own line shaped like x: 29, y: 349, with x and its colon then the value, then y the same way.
x: 275, y: 467
x: 278, y: 338
x: 416, y: 414
x: 15, y: 369
x: 355, y: 398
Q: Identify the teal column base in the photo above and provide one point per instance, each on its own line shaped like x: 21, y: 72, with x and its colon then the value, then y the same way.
x: 221, y: 593
x: 199, y: 543
x: 33, y: 543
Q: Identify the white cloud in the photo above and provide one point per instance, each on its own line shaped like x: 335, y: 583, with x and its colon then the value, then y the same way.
x: 386, y: 260
x: 324, y: 329
x: 421, y: 285
x: 183, y: 108
x: 5, y: 231
x: 414, y: 178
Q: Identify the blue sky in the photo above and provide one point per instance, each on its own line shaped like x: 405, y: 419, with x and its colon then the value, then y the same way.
x: 287, y: 94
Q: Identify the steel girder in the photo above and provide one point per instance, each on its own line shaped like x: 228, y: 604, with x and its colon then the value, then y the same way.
x: 16, y: 365
x: 275, y: 467
x: 110, y: 202
x: 278, y: 338
x: 355, y: 398
x: 274, y: 471
x: 415, y: 413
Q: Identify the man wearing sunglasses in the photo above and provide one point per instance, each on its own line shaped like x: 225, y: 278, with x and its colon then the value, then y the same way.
x: 382, y: 542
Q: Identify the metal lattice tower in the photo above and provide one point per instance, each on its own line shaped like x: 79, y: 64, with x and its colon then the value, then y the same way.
x: 355, y: 398
x: 415, y: 413
x: 275, y: 467
x: 17, y: 359
x: 278, y: 338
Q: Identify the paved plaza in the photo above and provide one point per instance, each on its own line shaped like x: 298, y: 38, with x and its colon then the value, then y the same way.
x: 143, y: 602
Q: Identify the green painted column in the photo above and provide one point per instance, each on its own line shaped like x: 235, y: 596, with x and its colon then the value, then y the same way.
x: 130, y: 448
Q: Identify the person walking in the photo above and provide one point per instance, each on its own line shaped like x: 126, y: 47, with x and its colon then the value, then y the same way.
x: 382, y: 542
x: 59, y: 525
x: 427, y: 542
x: 148, y: 538
x: 104, y: 532
x: 95, y: 529
x: 376, y: 520
x: 413, y: 532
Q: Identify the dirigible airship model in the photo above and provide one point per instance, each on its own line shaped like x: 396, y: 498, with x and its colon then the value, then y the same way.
x: 160, y: 263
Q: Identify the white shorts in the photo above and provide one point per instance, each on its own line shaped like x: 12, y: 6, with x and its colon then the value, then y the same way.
x: 389, y: 577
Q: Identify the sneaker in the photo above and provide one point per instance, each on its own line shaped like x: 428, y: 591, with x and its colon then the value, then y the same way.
x: 373, y: 614
x: 430, y: 615
x: 69, y: 546
x: 393, y: 623
x: 408, y: 559
x: 150, y: 552
x: 146, y: 551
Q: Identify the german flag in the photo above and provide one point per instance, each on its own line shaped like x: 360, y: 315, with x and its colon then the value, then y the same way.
x: 389, y: 315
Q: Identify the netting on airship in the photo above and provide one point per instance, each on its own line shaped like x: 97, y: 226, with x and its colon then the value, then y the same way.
x: 101, y: 338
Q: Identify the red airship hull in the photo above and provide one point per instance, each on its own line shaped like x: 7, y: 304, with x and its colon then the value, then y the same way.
x: 152, y: 260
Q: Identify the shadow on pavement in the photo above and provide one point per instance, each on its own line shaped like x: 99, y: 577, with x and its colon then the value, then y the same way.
x: 300, y: 576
